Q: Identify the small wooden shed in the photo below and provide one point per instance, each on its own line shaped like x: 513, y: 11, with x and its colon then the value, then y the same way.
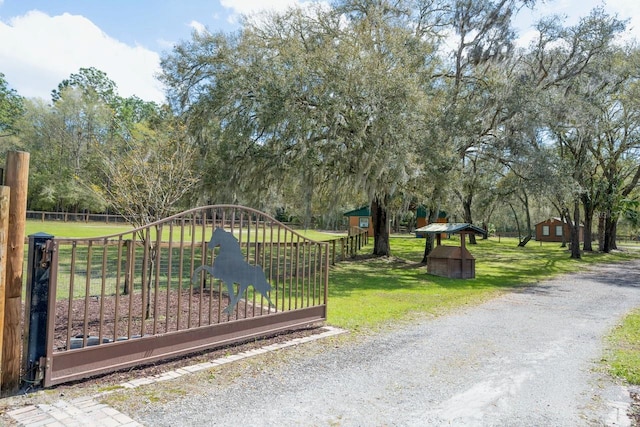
x: 422, y: 220
x: 455, y: 262
x: 554, y: 230
x: 360, y: 218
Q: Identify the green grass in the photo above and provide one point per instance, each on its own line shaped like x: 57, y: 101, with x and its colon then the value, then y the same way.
x: 624, y: 352
x: 371, y: 293
x: 74, y: 229
x: 89, y: 229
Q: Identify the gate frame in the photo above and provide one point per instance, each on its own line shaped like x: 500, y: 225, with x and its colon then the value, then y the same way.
x: 70, y: 365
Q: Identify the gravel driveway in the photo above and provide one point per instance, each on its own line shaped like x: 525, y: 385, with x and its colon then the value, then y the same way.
x: 530, y: 357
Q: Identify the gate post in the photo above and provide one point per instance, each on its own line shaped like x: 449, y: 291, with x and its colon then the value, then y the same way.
x: 4, y: 231
x: 37, y: 306
x: 17, y: 179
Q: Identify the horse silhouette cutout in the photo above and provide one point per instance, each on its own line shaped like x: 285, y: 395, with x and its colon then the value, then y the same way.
x: 230, y: 267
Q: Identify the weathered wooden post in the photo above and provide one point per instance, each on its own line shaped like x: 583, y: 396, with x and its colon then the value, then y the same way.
x: 4, y: 231
x: 17, y: 179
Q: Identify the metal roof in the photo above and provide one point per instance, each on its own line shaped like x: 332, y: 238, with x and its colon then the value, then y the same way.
x: 455, y: 227
x: 363, y: 211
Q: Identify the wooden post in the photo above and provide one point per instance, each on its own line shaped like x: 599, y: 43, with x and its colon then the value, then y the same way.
x: 463, y: 257
x: 4, y: 231
x: 17, y: 179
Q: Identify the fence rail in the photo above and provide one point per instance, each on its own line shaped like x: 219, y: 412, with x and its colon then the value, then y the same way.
x: 75, y: 217
x: 346, y: 247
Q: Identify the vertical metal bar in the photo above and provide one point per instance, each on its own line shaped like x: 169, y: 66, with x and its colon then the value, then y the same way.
x: 169, y: 279
x: 291, y: 271
x: 203, y: 261
x: 284, y: 270
x: 145, y: 267
x: 306, y: 270
x: 271, y: 266
x: 224, y: 219
x: 156, y: 280
x: 193, y: 255
x: 325, y: 268
x: 102, y: 290
x: 131, y: 254
x: 213, y: 260
x: 263, y: 260
x: 224, y: 222
x: 51, y: 320
x: 72, y: 277
x: 315, y: 272
x: 297, y: 292
x: 248, y: 245
x: 87, y: 293
x: 211, y: 279
x: 116, y: 319
x: 180, y: 274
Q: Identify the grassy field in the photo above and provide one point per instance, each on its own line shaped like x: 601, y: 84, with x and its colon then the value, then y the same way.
x: 624, y: 352
x: 85, y: 230
x: 370, y: 293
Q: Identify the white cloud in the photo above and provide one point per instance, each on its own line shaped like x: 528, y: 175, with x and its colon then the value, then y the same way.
x: 198, y: 27
x: 628, y: 9
x: 573, y: 10
x: 251, y: 6
x: 38, y: 51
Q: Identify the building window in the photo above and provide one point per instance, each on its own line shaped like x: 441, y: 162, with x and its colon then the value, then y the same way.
x: 364, y: 223
x: 545, y: 230
x: 558, y: 230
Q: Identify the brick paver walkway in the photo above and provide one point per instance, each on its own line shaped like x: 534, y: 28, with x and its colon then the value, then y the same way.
x: 81, y: 412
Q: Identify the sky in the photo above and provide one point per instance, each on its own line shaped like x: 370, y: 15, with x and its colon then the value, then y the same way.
x: 43, y: 42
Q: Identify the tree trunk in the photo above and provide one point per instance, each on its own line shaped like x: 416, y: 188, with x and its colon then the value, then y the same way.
x: 521, y: 242
x: 575, y: 231
x: 588, y: 207
x: 380, y: 226
x: 525, y: 202
x: 601, y: 226
x: 609, y: 233
x: 466, y: 204
x: 428, y: 245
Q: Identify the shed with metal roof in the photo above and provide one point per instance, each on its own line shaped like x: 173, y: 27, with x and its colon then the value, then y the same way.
x: 451, y: 261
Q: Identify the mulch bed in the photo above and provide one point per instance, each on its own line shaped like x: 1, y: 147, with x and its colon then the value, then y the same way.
x: 195, y: 309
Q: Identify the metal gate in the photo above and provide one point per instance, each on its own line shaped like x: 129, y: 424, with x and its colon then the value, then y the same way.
x: 204, y: 278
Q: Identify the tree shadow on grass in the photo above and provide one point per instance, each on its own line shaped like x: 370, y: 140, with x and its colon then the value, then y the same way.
x: 396, y: 274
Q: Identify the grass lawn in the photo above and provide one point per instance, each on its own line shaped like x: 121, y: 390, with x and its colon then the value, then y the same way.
x: 624, y: 351
x: 93, y: 229
x: 369, y: 294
